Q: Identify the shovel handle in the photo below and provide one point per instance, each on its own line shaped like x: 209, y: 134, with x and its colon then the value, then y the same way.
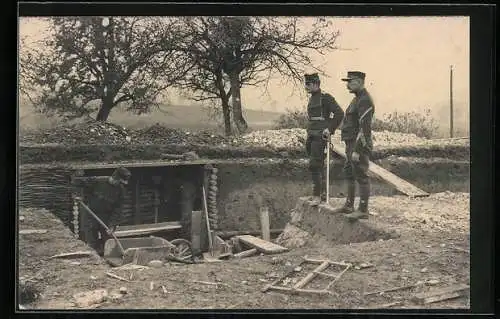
x: 102, y: 224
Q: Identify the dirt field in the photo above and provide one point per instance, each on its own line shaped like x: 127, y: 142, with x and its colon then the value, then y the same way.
x: 433, y: 245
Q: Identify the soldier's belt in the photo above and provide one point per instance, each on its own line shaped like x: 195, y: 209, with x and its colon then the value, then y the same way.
x: 317, y: 118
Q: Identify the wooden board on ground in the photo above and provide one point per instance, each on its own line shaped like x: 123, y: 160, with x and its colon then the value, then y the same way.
x: 145, y: 229
x: 400, y: 184
x: 437, y: 295
x: 261, y: 245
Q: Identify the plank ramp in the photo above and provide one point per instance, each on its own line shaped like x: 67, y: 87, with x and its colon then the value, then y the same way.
x: 261, y: 245
x: 400, y: 184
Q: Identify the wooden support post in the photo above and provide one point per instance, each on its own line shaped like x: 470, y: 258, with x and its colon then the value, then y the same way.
x: 156, y: 204
x: 264, y: 223
x: 137, y: 212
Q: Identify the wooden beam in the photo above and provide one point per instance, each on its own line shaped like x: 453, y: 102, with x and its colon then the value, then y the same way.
x: 400, y: 184
x: 145, y: 231
x: 311, y: 275
x: 264, y: 223
x: 231, y: 233
x: 301, y: 291
x: 262, y: 245
x: 246, y: 253
x: 451, y: 292
x: 137, y: 199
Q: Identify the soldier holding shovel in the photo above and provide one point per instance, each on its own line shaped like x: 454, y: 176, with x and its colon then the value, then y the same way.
x: 357, y: 136
x: 325, y: 116
x: 107, y: 203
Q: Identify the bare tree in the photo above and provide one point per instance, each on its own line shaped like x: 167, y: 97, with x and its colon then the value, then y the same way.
x: 232, y: 52
x: 111, y: 60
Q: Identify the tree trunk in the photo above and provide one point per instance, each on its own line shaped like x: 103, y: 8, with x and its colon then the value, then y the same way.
x: 104, y: 110
x: 226, y: 112
x: 238, y: 118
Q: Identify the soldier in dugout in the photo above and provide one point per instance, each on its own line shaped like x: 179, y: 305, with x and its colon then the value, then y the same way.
x: 356, y: 132
x: 107, y: 203
x: 324, y: 117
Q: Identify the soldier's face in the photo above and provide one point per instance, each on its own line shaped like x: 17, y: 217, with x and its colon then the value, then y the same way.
x: 311, y: 87
x: 354, y: 85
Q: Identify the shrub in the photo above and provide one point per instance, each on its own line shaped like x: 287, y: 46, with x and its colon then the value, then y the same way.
x: 291, y: 119
x: 422, y: 125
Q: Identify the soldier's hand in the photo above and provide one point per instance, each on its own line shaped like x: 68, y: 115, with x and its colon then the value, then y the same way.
x: 326, y: 134
x: 355, y: 157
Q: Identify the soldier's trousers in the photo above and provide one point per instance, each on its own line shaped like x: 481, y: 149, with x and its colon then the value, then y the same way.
x: 357, y: 172
x: 98, y: 234
x: 315, y: 148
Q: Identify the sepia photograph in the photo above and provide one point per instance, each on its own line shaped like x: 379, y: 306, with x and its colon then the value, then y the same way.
x: 243, y: 162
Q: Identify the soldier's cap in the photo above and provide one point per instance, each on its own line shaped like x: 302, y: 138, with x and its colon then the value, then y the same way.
x: 122, y: 174
x: 351, y: 75
x: 313, y: 77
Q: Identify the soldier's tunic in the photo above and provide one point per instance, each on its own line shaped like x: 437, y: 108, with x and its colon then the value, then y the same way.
x: 323, y: 113
x: 106, y: 202
x: 358, y: 119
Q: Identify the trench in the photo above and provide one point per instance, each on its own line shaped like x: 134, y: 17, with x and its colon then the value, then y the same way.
x: 243, y: 188
x: 279, y: 186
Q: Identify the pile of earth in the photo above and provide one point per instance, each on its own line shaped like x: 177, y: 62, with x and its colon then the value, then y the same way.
x: 158, y: 134
x: 87, y: 132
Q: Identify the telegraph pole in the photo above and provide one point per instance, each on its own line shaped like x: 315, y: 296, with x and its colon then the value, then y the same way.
x: 451, y: 101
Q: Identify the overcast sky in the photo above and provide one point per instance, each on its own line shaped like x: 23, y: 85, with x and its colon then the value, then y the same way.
x: 407, y: 61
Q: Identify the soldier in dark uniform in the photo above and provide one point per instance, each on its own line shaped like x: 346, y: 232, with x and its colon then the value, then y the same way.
x: 107, y: 203
x: 356, y: 133
x: 324, y: 115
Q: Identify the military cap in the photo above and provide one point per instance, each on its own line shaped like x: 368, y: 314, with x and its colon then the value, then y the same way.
x: 354, y: 75
x: 313, y: 77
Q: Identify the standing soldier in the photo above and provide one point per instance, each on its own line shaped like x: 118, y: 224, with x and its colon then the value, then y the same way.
x: 356, y: 133
x: 107, y: 203
x: 324, y: 115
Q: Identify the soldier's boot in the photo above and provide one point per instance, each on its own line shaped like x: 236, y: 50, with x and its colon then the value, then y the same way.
x: 362, y: 211
x: 316, y: 178
x: 349, y: 202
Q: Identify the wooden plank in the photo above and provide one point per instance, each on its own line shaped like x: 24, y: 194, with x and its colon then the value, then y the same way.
x: 400, y: 184
x: 262, y: 245
x: 76, y: 254
x: 231, y: 233
x: 451, y: 292
x: 32, y: 231
x: 145, y: 231
x: 310, y: 276
x: 147, y: 226
x: 264, y: 223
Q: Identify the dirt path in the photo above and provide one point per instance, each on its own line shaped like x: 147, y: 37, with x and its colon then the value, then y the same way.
x: 433, y: 246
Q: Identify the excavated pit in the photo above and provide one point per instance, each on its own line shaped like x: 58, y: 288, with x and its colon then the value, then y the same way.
x: 310, y: 224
